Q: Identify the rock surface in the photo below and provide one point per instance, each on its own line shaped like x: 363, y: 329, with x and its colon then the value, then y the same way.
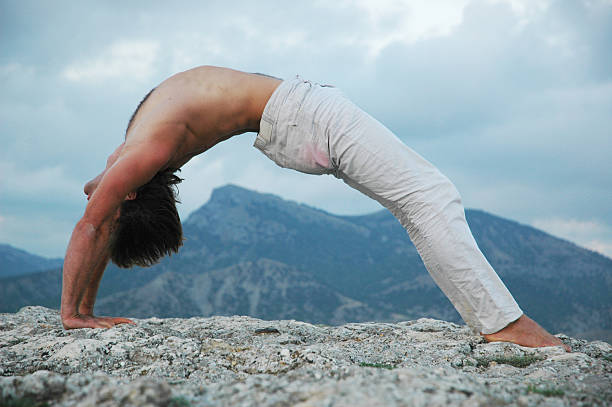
x: 242, y: 361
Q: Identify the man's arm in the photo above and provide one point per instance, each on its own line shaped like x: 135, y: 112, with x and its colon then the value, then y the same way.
x: 88, y: 251
x: 89, y: 297
x: 82, y: 276
x: 93, y: 184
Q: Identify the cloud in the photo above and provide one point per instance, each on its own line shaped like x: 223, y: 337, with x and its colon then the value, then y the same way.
x: 570, y: 227
x: 38, y: 207
x: 49, y: 183
x: 510, y: 98
x: 526, y: 9
x: 390, y: 21
x: 591, y: 234
x: 9, y: 70
x: 126, y: 59
x: 600, y: 247
x: 38, y: 233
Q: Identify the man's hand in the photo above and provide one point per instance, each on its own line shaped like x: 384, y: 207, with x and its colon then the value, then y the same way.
x: 90, y: 321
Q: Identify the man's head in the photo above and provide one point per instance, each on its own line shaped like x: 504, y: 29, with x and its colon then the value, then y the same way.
x: 149, y: 226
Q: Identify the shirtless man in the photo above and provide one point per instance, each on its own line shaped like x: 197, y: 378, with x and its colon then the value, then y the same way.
x: 131, y: 215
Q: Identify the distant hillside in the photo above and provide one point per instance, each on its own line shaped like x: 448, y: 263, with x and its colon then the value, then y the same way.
x: 14, y: 262
x: 43, y: 288
x: 259, y: 255
x: 259, y: 288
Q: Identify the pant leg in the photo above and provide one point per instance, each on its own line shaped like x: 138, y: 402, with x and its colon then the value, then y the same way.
x: 370, y: 158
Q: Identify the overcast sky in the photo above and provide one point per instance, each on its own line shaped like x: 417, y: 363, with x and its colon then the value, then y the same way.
x: 511, y: 99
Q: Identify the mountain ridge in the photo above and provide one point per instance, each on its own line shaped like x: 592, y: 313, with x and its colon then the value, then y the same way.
x: 365, y: 260
x: 15, y: 261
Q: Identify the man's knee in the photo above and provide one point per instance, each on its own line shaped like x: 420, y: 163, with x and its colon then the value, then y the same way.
x: 436, y: 197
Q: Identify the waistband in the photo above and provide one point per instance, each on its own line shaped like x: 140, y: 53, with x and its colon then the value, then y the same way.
x: 279, y: 97
x: 274, y: 106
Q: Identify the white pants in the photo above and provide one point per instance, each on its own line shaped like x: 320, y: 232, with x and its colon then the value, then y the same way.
x: 315, y: 129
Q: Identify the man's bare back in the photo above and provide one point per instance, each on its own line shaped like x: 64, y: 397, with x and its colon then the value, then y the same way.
x: 184, y: 116
x: 192, y: 111
x: 208, y: 105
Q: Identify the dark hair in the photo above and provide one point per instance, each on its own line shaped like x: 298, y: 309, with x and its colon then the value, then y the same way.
x: 149, y: 226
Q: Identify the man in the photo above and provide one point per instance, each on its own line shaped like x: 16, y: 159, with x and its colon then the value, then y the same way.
x: 131, y: 216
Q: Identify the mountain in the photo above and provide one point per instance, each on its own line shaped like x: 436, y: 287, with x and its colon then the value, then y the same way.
x: 14, y: 262
x: 43, y: 288
x: 261, y: 288
x: 257, y: 254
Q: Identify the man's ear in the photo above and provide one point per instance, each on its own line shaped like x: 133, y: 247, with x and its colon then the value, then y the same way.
x: 131, y: 196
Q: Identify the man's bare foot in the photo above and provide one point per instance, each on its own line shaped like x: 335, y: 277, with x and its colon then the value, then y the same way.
x: 525, y: 332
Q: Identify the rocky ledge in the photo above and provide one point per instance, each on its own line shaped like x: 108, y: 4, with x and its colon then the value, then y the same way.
x: 242, y: 361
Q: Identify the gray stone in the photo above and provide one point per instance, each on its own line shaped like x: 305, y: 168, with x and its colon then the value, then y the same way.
x: 243, y: 361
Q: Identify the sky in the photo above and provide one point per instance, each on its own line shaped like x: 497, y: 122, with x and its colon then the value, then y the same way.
x: 511, y: 99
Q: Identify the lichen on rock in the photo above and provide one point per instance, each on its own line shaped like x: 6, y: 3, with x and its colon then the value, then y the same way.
x: 243, y: 361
